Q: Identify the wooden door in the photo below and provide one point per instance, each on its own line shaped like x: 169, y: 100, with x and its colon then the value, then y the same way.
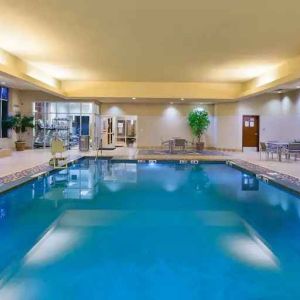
x: 251, y: 131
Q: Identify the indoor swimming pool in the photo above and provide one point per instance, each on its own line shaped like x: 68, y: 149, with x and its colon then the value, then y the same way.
x: 125, y: 230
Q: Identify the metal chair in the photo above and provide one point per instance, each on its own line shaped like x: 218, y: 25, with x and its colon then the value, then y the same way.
x: 166, y: 143
x: 293, y: 149
x: 265, y: 148
x: 181, y: 143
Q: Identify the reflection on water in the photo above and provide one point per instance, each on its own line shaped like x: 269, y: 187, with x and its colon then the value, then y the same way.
x: 81, y: 181
x: 139, y: 231
x: 249, y: 183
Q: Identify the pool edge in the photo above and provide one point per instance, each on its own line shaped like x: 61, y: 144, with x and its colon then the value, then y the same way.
x: 286, y: 182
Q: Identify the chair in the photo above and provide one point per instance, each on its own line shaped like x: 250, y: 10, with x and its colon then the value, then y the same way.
x: 175, y: 142
x: 167, y: 143
x: 293, y: 149
x: 58, y: 148
x: 181, y: 143
x: 265, y: 148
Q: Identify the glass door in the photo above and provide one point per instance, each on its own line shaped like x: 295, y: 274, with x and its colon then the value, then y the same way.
x: 97, y: 133
x: 121, y: 132
x: 126, y: 131
x: 108, y: 132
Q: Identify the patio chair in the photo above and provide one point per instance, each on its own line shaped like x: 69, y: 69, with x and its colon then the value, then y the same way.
x: 293, y: 149
x: 181, y: 143
x: 165, y: 143
x: 265, y: 148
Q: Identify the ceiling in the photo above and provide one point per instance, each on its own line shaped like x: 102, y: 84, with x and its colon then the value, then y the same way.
x: 176, y: 101
x: 16, y: 83
x: 139, y: 40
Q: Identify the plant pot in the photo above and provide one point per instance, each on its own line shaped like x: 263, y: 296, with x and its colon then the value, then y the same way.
x: 20, y: 146
x: 200, y: 146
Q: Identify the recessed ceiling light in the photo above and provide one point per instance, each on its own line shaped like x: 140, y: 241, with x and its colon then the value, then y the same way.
x: 133, y: 98
x: 279, y: 91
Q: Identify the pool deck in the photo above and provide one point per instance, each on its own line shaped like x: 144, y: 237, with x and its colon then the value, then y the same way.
x: 24, y: 166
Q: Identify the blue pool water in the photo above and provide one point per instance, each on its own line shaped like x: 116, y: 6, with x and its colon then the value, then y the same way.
x: 102, y: 230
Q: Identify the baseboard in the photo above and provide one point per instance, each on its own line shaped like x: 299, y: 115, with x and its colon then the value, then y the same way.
x: 224, y: 149
x: 191, y: 147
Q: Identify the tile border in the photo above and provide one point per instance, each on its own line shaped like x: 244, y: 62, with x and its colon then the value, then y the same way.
x: 279, y: 179
x: 16, y: 179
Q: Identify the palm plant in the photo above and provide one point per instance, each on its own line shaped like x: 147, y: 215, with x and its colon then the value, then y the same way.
x: 19, y: 124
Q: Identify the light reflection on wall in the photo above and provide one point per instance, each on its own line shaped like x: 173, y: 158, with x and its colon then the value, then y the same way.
x: 171, y: 112
x: 286, y: 104
x: 115, y: 111
x: 198, y: 108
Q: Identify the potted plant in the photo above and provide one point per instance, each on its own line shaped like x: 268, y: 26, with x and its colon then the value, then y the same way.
x: 199, y: 122
x: 19, y: 124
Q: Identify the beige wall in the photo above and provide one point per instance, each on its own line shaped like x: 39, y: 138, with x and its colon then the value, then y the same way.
x: 14, y: 106
x: 21, y: 101
x: 28, y: 97
x: 158, y: 122
x: 279, y: 118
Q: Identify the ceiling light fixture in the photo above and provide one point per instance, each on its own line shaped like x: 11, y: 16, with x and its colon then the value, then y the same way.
x: 133, y: 98
x: 279, y: 91
x: 182, y: 99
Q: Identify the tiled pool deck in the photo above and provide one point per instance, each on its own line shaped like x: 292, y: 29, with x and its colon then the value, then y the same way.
x: 284, y: 180
x: 26, y: 174
x: 15, y: 179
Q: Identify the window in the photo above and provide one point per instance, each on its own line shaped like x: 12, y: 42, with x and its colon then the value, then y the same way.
x: 67, y: 120
x: 4, y: 94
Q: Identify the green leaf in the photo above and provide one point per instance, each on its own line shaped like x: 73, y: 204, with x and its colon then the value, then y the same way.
x: 199, y: 122
x: 19, y: 123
